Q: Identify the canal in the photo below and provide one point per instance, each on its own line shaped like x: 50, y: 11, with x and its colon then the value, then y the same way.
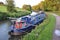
x: 4, y: 29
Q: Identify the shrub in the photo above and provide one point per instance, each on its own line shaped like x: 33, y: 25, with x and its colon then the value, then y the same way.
x: 4, y: 15
x: 18, y: 14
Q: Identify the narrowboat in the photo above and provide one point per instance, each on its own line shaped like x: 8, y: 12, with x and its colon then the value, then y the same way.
x: 26, y: 23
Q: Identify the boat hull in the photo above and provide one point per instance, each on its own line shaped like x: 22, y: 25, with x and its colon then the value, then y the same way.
x: 21, y: 31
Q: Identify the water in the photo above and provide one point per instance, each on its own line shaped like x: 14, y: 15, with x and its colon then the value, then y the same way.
x: 4, y: 29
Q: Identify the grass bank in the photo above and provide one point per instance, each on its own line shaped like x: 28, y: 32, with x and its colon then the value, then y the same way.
x: 4, y: 13
x: 43, y: 31
x: 3, y: 8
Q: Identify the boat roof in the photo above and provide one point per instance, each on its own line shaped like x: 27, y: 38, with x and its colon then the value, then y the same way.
x: 18, y: 20
x: 29, y: 16
x: 33, y: 13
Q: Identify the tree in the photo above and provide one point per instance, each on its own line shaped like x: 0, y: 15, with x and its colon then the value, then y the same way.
x: 10, y: 5
x: 52, y: 5
x: 36, y: 8
x: 27, y: 7
x: 48, y: 5
x: 41, y: 5
x: 1, y: 3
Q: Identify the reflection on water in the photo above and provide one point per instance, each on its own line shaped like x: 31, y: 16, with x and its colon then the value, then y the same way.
x: 4, y: 28
x: 16, y: 38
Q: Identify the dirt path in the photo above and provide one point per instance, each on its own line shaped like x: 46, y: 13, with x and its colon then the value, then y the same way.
x: 55, y: 37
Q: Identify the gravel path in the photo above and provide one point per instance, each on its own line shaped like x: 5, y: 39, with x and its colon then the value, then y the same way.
x: 55, y: 37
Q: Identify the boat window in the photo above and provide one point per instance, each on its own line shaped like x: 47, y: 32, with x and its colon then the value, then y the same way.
x: 23, y: 18
x: 22, y: 22
x: 39, y: 17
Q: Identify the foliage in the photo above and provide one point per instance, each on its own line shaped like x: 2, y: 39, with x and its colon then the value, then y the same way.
x: 57, y: 12
x: 18, y: 14
x: 43, y: 31
x: 27, y: 7
x: 35, y: 8
x: 10, y: 5
x: 3, y: 15
x: 48, y: 5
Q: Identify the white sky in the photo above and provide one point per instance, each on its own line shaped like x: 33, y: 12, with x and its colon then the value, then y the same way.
x: 20, y: 3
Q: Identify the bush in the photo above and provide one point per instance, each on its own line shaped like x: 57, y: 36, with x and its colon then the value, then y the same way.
x: 4, y: 15
x: 18, y: 14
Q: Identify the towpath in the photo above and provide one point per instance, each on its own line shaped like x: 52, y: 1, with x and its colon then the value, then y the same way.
x: 55, y: 37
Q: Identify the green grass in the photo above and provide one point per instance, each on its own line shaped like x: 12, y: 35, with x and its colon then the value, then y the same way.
x: 48, y: 31
x: 3, y: 8
x: 43, y: 31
